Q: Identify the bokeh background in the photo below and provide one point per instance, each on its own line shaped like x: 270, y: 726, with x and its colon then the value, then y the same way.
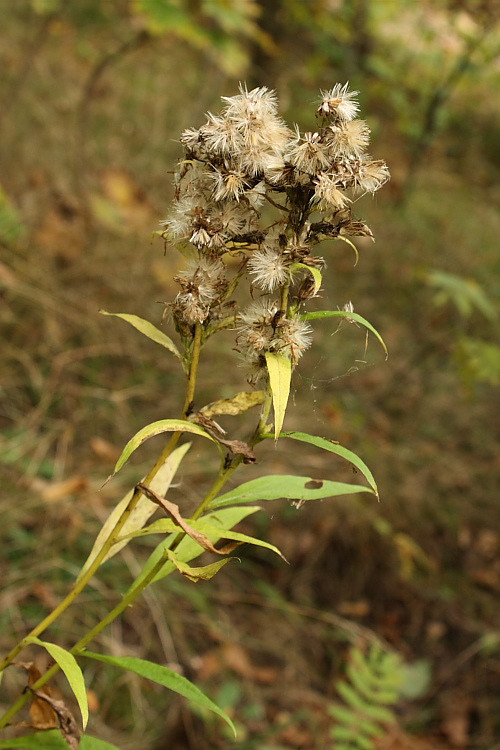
x: 93, y: 95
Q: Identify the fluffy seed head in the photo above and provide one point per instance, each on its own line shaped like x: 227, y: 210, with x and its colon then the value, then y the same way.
x: 327, y: 194
x: 339, y: 103
x: 269, y: 269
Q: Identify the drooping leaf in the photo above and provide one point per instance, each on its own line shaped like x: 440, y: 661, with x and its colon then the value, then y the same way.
x: 237, y: 404
x: 72, y: 671
x: 202, y: 572
x: 148, y: 329
x: 315, y: 273
x: 165, y: 677
x: 188, y: 549
x: 165, y: 526
x: 142, y: 511
x: 320, y: 314
x: 173, y: 511
x: 286, y: 486
x: 157, y: 428
x: 349, y: 242
x: 49, y: 740
x: 280, y: 375
x: 339, y: 450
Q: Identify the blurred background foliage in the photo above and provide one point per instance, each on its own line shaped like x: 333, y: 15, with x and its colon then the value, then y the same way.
x: 92, y: 98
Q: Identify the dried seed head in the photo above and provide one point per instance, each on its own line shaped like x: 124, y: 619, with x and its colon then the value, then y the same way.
x: 295, y: 336
x: 308, y: 152
x: 269, y: 269
x: 350, y: 138
x: 327, y: 194
x: 372, y: 175
x: 338, y: 103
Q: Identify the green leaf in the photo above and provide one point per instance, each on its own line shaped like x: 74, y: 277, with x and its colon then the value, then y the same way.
x: 165, y: 677
x: 315, y: 273
x: 142, y: 511
x: 148, y: 329
x: 157, y: 428
x: 320, y: 314
x: 291, y: 487
x: 73, y: 673
x: 339, y: 450
x: 280, y: 375
x: 93, y: 743
x: 165, y: 525
x: 202, y: 572
x: 48, y: 740
x: 188, y: 549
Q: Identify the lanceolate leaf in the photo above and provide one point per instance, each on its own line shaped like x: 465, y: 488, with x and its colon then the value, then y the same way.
x: 188, y: 549
x: 280, y: 375
x: 51, y: 740
x: 148, y: 329
x: 165, y: 677
x: 143, y: 510
x: 291, y: 487
x: 320, y: 314
x: 339, y: 450
x: 164, y: 526
x: 156, y: 428
x: 203, y: 572
x: 73, y: 673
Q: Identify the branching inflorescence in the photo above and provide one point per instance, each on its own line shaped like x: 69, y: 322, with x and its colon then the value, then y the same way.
x: 238, y: 165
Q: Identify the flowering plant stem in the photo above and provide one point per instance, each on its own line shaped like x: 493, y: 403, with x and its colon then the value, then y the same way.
x: 81, y: 584
x: 233, y: 163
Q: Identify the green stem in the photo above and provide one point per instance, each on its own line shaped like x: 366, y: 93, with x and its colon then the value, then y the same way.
x: 82, y: 582
x: 133, y: 593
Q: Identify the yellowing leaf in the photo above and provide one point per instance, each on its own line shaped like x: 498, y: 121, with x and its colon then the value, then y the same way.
x: 157, y: 428
x: 148, y: 329
x: 236, y: 405
x: 203, y: 572
x: 315, y: 273
x: 73, y: 673
x: 280, y: 375
x: 142, y: 511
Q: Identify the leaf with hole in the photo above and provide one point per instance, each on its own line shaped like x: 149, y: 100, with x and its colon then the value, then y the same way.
x: 165, y: 677
x: 291, y: 487
x: 339, y: 450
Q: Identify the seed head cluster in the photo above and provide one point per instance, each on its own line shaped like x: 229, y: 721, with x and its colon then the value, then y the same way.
x: 251, y: 188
